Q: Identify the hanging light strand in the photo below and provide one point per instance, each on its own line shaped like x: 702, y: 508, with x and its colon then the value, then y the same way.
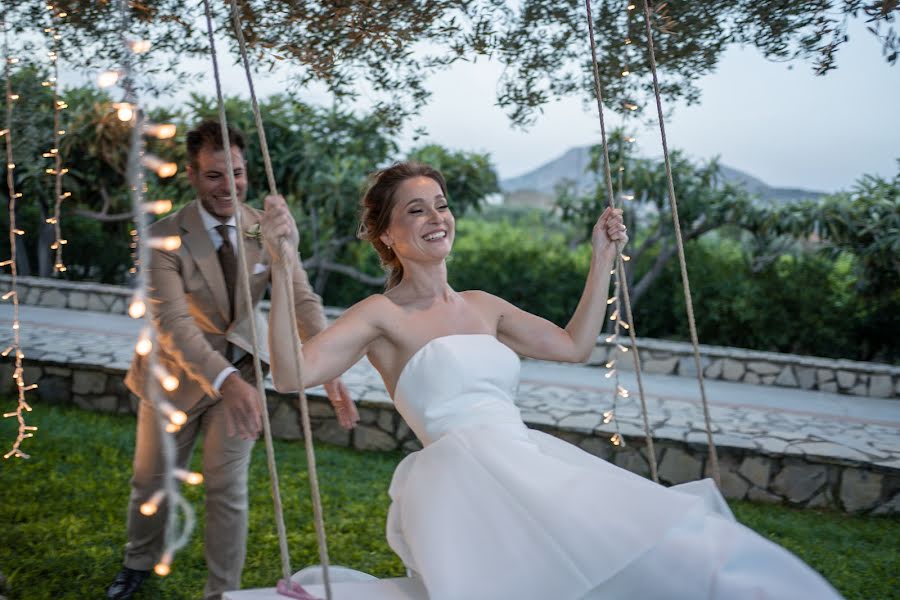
x: 169, y: 419
x: 25, y: 431
x: 619, y: 271
x: 55, y: 152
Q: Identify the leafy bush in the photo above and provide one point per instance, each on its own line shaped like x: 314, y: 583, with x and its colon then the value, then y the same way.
x: 804, y: 304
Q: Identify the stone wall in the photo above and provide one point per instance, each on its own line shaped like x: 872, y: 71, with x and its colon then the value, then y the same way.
x: 657, y: 356
x: 837, y: 376
x: 808, y: 481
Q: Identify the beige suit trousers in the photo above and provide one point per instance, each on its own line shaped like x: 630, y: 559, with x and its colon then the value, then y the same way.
x: 225, y: 464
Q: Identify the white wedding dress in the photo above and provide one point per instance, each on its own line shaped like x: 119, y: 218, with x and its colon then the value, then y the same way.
x: 492, y: 510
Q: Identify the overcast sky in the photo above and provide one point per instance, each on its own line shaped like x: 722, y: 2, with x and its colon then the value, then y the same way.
x: 785, y: 126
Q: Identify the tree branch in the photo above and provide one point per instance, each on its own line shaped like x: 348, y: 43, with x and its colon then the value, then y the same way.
x: 104, y: 217
x: 327, y: 265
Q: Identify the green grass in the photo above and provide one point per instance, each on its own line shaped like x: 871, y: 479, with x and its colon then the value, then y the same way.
x: 62, y: 517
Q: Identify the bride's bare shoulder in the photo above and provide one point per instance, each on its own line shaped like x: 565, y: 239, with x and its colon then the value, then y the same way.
x: 373, y: 308
x: 375, y: 302
x: 481, y: 297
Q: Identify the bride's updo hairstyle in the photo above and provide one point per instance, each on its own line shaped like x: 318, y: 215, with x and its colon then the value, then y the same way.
x: 377, y: 204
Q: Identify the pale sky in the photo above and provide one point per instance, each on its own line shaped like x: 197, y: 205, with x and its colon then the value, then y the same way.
x: 784, y: 126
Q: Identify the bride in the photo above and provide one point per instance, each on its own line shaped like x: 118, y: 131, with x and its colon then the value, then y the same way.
x: 490, y: 509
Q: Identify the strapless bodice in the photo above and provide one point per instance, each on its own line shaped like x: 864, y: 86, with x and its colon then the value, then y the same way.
x: 457, y: 381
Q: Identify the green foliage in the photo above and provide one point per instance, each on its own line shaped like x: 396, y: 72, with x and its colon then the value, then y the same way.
x: 852, y: 553
x: 803, y: 304
x: 393, y: 46
x: 63, y: 512
x: 535, y: 271
x: 705, y: 203
x: 864, y: 221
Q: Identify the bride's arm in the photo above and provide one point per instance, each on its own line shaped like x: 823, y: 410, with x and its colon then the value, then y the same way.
x: 329, y: 353
x: 336, y: 348
x: 533, y: 336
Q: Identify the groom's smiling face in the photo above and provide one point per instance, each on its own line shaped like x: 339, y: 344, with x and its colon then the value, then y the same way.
x: 209, y: 177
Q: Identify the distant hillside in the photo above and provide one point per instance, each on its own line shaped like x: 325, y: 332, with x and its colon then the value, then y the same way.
x: 537, y: 187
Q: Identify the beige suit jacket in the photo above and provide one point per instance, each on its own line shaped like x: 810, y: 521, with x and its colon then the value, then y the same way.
x: 190, y: 307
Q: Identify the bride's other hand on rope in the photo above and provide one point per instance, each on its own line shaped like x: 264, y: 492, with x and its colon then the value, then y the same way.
x: 279, y: 229
x: 609, y: 236
x: 535, y: 337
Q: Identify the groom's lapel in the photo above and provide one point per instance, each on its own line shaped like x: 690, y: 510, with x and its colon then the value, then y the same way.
x: 196, y: 239
x: 253, y: 253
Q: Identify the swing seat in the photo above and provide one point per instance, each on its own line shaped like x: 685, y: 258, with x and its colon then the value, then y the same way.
x: 346, y: 584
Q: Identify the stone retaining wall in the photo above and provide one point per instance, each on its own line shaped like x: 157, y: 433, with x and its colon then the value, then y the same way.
x: 810, y: 481
x: 657, y: 356
x: 762, y: 368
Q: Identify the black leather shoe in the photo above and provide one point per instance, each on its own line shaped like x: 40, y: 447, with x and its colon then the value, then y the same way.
x: 126, y: 584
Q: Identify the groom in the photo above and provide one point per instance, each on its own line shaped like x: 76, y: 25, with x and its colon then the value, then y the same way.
x: 203, y: 339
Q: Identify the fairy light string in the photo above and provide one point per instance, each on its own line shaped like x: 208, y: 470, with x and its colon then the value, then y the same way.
x: 625, y: 321
x: 57, y: 171
x: 169, y: 419
x: 25, y: 430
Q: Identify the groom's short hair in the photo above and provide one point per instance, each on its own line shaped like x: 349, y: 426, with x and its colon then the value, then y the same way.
x: 208, y: 134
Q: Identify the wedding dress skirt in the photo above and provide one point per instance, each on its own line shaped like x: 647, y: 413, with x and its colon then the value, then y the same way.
x: 492, y: 510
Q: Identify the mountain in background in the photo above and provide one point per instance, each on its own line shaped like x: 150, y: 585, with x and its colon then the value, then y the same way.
x: 537, y: 187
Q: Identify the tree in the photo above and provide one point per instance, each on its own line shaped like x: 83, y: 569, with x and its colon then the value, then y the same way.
x: 865, y: 224
x: 541, y: 43
x: 321, y: 157
x: 705, y: 203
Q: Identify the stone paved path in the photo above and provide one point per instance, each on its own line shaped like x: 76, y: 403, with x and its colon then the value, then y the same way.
x: 782, y: 421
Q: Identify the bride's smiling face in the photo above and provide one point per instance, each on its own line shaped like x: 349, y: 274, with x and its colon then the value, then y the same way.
x: 422, y: 226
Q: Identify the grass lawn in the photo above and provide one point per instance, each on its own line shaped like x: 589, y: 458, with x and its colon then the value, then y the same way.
x: 62, y: 517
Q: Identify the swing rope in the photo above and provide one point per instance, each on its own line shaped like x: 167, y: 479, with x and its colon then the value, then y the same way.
x: 286, y: 252
x: 620, y: 264
x: 244, y: 284
x: 713, y: 455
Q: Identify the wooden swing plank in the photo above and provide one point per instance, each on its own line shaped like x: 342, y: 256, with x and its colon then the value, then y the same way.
x: 400, y: 588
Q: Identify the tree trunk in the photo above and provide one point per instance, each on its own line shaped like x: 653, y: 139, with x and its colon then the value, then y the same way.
x: 45, y: 255
x: 23, y: 265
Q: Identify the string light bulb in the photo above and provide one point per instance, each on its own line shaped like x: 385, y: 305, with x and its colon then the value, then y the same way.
x: 151, y: 506
x: 189, y: 477
x: 169, y: 243
x: 144, y: 345
x: 158, y: 207
x: 162, y: 131
x: 170, y: 384
x: 124, y: 111
x: 139, y: 46
x: 108, y: 79
x: 137, y: 308
x: 162, y: 168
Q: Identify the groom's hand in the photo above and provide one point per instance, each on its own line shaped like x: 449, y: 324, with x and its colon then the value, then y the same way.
x: 241, y: 403
x: 340, y: 399
x: 277, y: 224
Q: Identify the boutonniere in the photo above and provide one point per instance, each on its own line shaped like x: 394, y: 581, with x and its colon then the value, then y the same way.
x: 254, y: 233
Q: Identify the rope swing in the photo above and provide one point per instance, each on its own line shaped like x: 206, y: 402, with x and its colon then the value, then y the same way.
x: 621, y: 280
x: 244, y: 283
x: 620, y: 269
x: 673, y: 203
